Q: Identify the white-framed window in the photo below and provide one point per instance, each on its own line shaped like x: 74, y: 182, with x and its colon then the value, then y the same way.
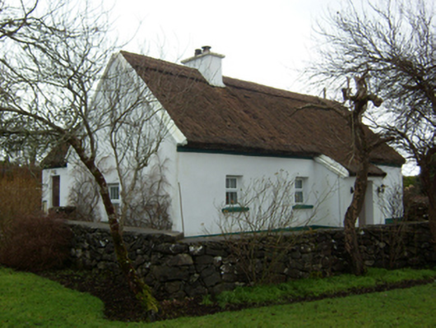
x: 232, y: 183
x: 114, y: 191
x: 299, y: 190
x: 114, y: 194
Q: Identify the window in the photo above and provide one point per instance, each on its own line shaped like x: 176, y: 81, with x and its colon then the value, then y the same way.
x: 114, y: 194
x: 299, y: 191
x: 233, y: 183
x: 231, y: 190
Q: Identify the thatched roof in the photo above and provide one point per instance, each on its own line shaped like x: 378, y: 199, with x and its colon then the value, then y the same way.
x: 57, y: 157
x: 245, y: 117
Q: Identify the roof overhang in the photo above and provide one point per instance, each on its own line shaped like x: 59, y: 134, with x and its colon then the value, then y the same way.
x: 332, y: 165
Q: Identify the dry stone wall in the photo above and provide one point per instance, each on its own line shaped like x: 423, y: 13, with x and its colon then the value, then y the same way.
x: 175, y: 267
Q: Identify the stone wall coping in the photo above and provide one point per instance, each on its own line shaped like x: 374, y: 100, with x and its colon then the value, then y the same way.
x: 105, y: 226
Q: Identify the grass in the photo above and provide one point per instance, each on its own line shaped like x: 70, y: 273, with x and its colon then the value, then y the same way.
x: 322, y: 286
x: 27, y: 300
x: 412, y: 307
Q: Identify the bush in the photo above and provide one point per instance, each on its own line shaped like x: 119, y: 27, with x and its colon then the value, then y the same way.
x: 20, y: 191
x: 35, y: 243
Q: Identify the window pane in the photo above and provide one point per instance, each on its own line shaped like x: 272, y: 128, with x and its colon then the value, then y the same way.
x: 230, y: 182
x: 298, y: 196
x: 298, y: 184
x: 231, y: 198
x: 114, y: 192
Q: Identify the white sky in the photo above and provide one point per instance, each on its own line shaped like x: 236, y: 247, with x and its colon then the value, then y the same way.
x: 266, y: 42
x: 263, y: 41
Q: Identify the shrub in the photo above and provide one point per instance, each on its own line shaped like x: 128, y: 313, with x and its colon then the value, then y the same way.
x: 20, y: 191
x: 35, y: 243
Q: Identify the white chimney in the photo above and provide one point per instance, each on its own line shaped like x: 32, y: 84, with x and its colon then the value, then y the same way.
x: 209, y: 65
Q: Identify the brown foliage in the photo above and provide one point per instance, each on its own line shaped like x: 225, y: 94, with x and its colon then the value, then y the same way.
x: 35, y: 243
x: 20, y: 191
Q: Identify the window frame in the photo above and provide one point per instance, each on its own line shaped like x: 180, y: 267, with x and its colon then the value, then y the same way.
x: 232, y: 190
x: 234, y: 207
x: 116, y: 202
x: 299, y: 191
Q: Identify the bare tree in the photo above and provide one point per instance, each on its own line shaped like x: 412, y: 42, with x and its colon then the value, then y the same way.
x: 362, y: 148
x: 257, y: 227
x: 133, y: 122
x: 363, y: 143
x: 395, y: 42
x: 394, y: 206
x: 84, y: 196
x: 50, y: 64
x: 151, y: 202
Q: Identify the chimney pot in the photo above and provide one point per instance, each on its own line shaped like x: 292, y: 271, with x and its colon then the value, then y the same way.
x: 197, y: 52
x: 206, y: 49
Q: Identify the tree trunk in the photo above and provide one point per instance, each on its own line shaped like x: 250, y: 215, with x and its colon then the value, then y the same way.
x: 361, y: 151
x: 138, y: 287
x: 353, y: 211
x: 432, y: 217
x: 428, y: 180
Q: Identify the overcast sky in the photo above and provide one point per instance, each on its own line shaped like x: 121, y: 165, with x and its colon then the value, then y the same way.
x: 263, y: 41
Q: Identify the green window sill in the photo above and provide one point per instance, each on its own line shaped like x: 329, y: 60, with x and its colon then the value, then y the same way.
x: 234, y: 209
x: 302, y: 207
x: 393, y: 220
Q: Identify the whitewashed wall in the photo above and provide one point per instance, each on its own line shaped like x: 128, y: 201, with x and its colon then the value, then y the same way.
x: 202, y: 180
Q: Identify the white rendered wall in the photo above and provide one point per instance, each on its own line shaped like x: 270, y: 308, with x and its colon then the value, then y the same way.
x: 389, y: 186
x: 202, y: 181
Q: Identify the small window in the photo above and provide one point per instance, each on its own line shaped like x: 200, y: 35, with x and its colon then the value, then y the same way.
x: 299, y: 191
x: 231, y: 190
x: 114, y: 192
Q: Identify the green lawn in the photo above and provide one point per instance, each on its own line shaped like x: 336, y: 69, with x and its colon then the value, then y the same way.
x: 27, y: 300
x: 413, y: 307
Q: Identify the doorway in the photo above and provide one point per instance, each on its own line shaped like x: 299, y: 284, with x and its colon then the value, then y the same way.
x: 55, y: 190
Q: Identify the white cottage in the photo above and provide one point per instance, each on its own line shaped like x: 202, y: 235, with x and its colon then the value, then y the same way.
x: 225, y: 133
